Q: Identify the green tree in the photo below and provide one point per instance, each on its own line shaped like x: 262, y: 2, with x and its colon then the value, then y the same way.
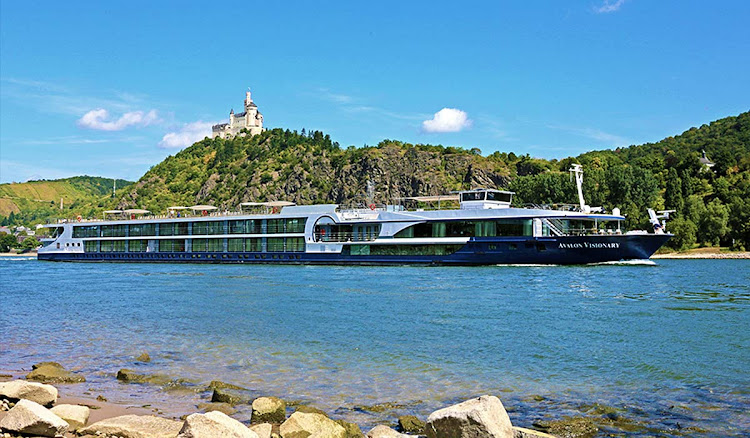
x: 673, y: 194
x: 7, y: 241
x: 684, y: 233
x: 29, y: 243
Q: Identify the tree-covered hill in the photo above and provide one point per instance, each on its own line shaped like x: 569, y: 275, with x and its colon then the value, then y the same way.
x: 713, y: 205
x: 35, y: 202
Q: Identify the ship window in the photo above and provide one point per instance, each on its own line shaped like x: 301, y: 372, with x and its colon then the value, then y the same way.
x: 86, y: 231
x: 295, y: 225
x: 142, y: 230
x: 295, y: 244
x: 236, y: 245
x: 252, y: 226
x: 208, y: 227
x: 137, y: 245
x: 275, y: 244
x: 171, y: 245
x: 254, y: 245
x: 173, y: 229
x: 113, y: 230
x: 274, y: 226
x: 472, y: 196
x: 208, y: 245
x: 91, y: 246
x: 501, y: 197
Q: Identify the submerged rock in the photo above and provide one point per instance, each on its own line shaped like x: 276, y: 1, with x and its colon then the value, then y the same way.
x: 218, y: 384
x: 214, y: 425
x: 130, y: 376
x: 224, y: 408
x: 301, y: 425
x: 569, y: 427
x: 134, y: 426
x: 383, y: 431
x: 520, y: 432
x: 53, y: 372
x: 144, y: 357
x: 380, y: 407
x: 233, y: 397
x: 479, y: 417
x: 76, y: 416
x: 352, y: 429
x: 410, y: 424
x: 36, y: 392
x: 306, y: 409
x: 30, y: 418
x: 268, y: 410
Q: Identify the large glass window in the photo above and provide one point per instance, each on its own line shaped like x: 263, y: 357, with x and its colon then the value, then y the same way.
x: 295, y: 225
x: 275, y: 244
x: 274, y: 226
x: 472, y: 196
x: 237, y: 227
x: 254, y: 245
x: 137, y: 245
x: 252, y: 226
x: 208, y: 227
x: 295, y: 244
x: 401, y: 250
x: 173, y: 229
x: 142, y: 230
x: 91, y: 246
x: 112, y: 246
x: 113, y: 230
x: 208, y: 245
x: 236, y: 245
x: 171, y: 245
x: 86, y: 231
x: 491, y: 228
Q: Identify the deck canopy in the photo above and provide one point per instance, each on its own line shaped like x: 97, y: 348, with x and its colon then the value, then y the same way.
x: 437, y: 198
x: 135, y: 211
x: 112, y: 211
x: 177, y: 208
x: 203, y: 207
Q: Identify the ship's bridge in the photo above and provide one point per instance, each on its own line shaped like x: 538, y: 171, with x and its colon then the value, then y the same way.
x: 485, y: 199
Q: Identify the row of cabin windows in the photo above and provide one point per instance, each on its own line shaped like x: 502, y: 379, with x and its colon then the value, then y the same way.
x: 501, y: 227
x: 250, y: 226
x: 401, y: 250
x: 269, y: 244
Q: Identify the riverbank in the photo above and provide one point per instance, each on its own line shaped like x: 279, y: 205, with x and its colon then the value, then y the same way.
x: 703, y: 253
x: 31, y: 405
x: 13, y: 254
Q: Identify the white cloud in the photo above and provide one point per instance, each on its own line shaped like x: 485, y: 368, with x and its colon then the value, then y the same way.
x: 187, y: 135
x: 609, y: 6
x: 99, y: 119
x: 595, y: 134
x: 447, y: 120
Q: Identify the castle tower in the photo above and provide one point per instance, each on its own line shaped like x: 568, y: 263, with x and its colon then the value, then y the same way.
x: 251, y: 120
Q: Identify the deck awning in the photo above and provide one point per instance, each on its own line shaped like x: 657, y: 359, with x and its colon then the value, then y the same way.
x: 203, y: 207
x: 268, y: 204
x: 177, y: 208
x: 112, y: 211
x: 136, y: 211
x: 437, y: 198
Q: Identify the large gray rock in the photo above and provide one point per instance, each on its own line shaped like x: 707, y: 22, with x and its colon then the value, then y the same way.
x: 214, y: 425
x: 383, y: 431
x: 30, y: 418
x: 135, y: 426
x: 231, y: 396
x: 263, y: 430
x: 36, y: 392
x: 482, y: 417
x: 410, y: 424
x: 302, y: 425
x: 53, y: 372
x: 268, y: 410
x: 224, y: 408
x: 76, y: 416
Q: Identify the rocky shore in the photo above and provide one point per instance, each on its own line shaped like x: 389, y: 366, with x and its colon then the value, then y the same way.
x: 31, y: 406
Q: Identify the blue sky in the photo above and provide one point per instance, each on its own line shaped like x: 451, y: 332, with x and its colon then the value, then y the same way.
x: 94, y: 87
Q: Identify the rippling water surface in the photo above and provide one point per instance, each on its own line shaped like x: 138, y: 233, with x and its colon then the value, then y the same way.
x: 667, y: 344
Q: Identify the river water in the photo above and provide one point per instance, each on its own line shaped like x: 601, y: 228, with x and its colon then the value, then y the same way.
x: 664, y: 344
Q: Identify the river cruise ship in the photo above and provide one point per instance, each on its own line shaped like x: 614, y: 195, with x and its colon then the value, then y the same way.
x: 481, y: 229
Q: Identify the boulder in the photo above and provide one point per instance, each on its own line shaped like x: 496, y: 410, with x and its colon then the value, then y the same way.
x: 383, y: 431
x: 214, y: 425
x: 520, y: 432
x: 30, y: 418
x: 224, y: 408
x: 130, y: 376
x: 410, y: 424
x: 36, y: 392
x: 305, y: 409
x: 268, y: 410
x: 76, y: 416
x: 218, y: 384
x: 144, y: 357
x: 482, y: 417
x: 263, y: 430
x: 134, y: 426
x: 569, y: 427
x: 53, y: 372
x: 302, y: 425
x: 233, y: 397
x: 352, y: 430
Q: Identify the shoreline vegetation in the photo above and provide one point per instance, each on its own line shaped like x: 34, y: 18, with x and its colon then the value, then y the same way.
x: 31, y: 405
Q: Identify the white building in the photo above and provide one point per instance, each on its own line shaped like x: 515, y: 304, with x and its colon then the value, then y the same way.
x: 251, y: 120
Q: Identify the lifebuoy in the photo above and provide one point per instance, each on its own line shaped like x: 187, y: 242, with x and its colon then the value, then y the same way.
x: 373, y: 207
x: 79, y: 218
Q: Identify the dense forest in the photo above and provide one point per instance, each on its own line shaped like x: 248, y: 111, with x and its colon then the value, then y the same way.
x: 712, y: 203
x: 36, y: 202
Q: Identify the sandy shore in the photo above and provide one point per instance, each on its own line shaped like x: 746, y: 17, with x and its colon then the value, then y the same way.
x: 703, y: 255
x: 12, y: 254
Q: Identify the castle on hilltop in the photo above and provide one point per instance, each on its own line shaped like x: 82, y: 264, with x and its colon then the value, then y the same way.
x: 251, y: 120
